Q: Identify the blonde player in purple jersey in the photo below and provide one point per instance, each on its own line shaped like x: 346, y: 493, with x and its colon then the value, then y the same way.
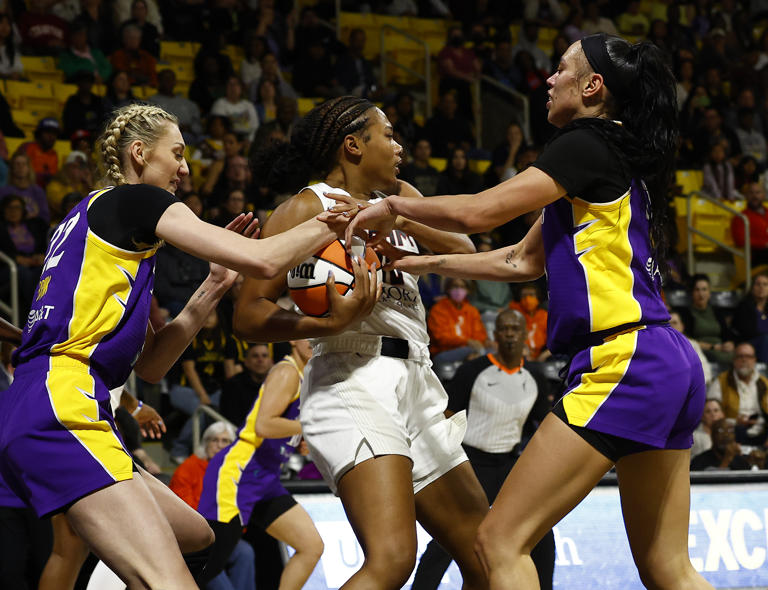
x: 88, y: 328
x: 634, y: 392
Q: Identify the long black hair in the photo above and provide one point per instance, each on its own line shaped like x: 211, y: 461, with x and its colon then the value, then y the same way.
x: 311, y: 152
x: 646, y: 140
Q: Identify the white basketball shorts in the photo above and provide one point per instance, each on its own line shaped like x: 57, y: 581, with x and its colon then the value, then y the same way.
x: 356, y: 406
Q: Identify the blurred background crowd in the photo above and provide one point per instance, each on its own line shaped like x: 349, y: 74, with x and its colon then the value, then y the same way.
x: 464, y: 85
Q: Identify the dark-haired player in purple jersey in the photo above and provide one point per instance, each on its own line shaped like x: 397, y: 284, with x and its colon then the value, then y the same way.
x: 635, y: 388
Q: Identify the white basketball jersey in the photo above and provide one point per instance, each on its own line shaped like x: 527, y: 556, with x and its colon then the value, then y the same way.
x: 399, y: 313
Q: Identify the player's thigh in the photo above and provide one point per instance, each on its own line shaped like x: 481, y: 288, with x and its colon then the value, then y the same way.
x: 378, y: 499
x: 452, y: 507
x: 189, y: 527
x: 655, y: 501
x: 125, y: 527
x: 555, y: 472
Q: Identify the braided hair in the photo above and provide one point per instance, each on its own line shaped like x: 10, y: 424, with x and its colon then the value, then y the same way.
x: 312, y: 150
x: 130, y: 123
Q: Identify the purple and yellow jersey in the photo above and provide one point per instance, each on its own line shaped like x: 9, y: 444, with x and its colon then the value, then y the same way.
x: 601, y: 271
x: 248, y: 470
x: 92, y: 302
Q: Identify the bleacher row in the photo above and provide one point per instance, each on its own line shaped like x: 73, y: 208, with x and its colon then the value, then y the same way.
x: 707, y: 218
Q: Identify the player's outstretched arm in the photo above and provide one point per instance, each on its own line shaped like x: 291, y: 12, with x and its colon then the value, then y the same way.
x: 468, y: 214
x: 436, y: 240
x: 258, y: 318
x: 9, y: 333
x: 265, y: 258
x: 522, y: 262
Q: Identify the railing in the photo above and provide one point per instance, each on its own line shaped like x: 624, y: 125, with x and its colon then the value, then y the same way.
x: 746, y: 253
x: 11, y: 309
x: 203, y: 409
x: 480, y: 102
x: 426, y: 77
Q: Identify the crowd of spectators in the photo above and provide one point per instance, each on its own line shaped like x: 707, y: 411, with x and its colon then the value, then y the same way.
x: 718, y: 51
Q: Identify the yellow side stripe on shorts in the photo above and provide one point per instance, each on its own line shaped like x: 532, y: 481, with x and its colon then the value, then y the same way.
x: 72, y: 396
x: 228, y: 480
x: 609, y: 365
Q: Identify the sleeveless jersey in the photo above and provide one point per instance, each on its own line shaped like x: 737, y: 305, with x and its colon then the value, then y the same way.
x: 271, y: 453
x: 399, y: 313
x: 601, y: 272
x: 248, y: 470
x: 92, y: 302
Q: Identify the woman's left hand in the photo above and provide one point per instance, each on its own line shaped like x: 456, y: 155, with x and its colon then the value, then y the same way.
x: 247, y: 225
x: 378, y: 217
x: 150, y: 422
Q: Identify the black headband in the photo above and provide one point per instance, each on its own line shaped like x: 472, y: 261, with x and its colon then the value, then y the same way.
x: 596, y: 52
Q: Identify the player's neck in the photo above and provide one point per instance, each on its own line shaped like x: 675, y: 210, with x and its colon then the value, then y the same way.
x: 357, y: 187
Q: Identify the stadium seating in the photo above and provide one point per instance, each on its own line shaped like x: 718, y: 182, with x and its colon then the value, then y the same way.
x: 31, y: 96
x: 41, y: 69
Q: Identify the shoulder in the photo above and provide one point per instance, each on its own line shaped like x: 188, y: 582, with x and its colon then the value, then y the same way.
x: 579, y: 137
x: 406, y: 189
x: 298, y: 209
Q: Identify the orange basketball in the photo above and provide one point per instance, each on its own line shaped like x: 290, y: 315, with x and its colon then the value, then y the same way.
x: 306, y: 282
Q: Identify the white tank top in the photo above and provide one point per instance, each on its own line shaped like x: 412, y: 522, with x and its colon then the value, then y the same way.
x: 399, y: 313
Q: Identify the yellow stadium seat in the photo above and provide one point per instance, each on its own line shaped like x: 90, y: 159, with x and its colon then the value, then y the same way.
x: 438, y: 163
x: 479, y: 166
x: 61, y: 92
x: 63, y: 148
x: 171, y: 49
x: 41, y: 68
x: 185, y: 72
x: 26, y: 120
x: 30, y: 95
x: 427, y: 25
x: 13, y: 143
x: 143, y: 92
x: 357, y: 20
x: 690, y: 180
x: 307, y: 104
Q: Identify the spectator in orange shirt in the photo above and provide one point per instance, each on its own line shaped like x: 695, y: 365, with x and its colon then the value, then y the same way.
x: 758, y: 224
x: 456, y: 330
x: 536, y: 322
x: 187, y: 480
x: 187, y: 484
x: 131, y: 58
x: 41, y: 152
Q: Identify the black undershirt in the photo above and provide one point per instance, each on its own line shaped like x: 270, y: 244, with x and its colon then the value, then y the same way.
x: 126, y: 216
x: 585, y: 165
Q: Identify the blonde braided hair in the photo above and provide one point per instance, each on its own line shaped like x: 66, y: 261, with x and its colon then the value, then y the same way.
x: 130, y: 123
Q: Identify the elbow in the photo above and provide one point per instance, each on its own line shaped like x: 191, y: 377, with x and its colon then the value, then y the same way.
x: 153, y: 377
x: 261, y: 432
x: 267, y: 270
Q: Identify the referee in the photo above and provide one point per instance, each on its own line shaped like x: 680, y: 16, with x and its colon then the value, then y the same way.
x: 502, y: 403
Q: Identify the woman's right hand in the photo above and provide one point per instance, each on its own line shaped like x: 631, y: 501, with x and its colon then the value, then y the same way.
x: 355, y: 305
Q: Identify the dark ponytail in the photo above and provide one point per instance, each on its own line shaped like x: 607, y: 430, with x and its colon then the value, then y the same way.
x: 312, y: 151
x: 646, y: 140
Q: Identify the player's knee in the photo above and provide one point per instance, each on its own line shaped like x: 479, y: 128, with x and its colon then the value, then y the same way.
x: 392, y: 563
x: 314, y: 548
x: 202, y: 539
x: 662, y: 573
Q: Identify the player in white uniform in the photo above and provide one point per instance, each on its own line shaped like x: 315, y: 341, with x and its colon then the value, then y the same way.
x: 372, y: 409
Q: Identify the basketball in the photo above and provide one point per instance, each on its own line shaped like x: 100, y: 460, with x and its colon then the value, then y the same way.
x: 306, y: 282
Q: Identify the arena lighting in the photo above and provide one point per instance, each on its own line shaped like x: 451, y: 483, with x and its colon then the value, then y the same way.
x: 728, y: 538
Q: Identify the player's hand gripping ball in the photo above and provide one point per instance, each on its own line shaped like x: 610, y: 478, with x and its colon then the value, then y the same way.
x: 306, y: 282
